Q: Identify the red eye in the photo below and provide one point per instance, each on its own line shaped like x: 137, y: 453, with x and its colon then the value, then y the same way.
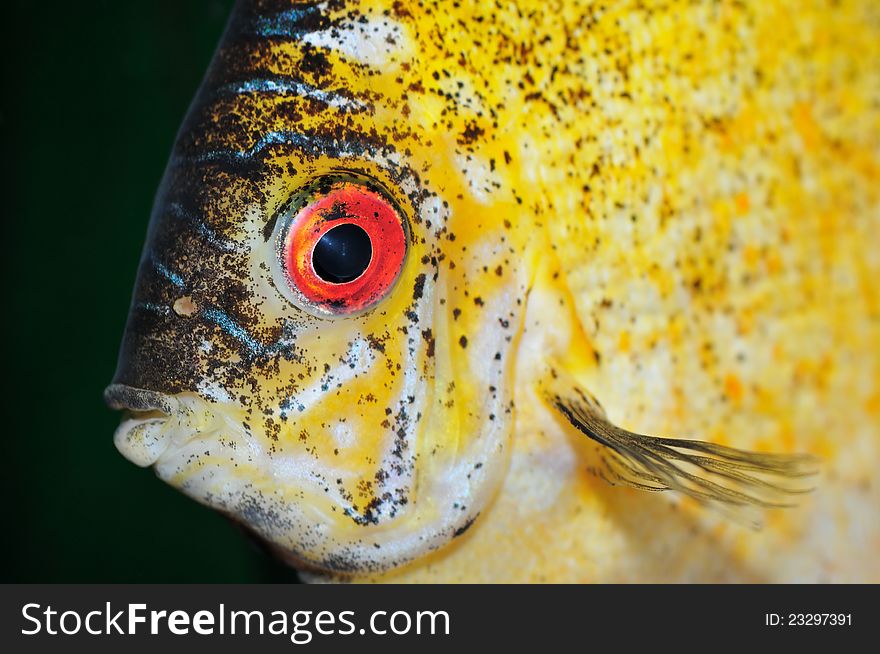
x: 343, y: 251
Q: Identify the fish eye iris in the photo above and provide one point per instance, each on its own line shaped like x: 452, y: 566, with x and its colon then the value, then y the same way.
x: 342, y: 254
x: 343, y: 248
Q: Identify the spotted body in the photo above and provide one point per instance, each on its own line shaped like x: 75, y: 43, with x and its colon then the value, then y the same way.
x: 674, y: 205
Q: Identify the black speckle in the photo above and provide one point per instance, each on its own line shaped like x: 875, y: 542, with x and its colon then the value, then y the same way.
x: 471, y: 133
x: 419, y: 286
x: 429, y: 339
x: 464, y: 527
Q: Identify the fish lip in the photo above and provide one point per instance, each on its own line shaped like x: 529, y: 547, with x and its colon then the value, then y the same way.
x: 123, y: 397
x: 146, y: 431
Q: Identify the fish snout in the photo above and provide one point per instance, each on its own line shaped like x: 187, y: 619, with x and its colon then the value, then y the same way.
x: 143, y: 434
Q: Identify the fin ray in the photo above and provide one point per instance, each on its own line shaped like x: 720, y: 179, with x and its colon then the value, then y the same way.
x: 738, y: 483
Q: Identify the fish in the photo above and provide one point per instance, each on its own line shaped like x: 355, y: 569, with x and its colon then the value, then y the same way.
x: 564, y: 291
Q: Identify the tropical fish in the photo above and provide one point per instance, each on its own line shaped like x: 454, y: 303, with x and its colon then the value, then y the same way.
x: 421, y: 277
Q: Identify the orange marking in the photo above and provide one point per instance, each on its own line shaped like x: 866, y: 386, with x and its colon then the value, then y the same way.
x: 806, y: 125
x: 733, y: 387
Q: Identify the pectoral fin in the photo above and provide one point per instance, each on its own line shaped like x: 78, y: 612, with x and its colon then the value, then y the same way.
x: 738, y: 483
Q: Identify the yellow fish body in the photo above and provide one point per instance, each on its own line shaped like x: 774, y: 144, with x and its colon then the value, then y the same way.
x: 671, y: 207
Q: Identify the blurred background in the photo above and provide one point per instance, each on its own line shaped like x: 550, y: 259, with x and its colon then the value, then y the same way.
x: 93, y: 95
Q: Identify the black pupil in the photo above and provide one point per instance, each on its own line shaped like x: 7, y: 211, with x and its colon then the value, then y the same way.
x: 342, y: 254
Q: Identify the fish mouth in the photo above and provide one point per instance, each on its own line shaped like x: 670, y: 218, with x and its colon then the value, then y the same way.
x: 138, y: 400
x: 143, y: 434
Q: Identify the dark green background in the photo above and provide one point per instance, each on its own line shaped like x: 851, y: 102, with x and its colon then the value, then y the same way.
x: 93, y: 93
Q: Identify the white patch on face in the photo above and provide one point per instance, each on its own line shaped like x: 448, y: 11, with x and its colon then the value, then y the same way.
x: 375, y: 42
x: 343, y: 435
x: 479, y: 177
x: 213, y: 391
x: 142, y: 440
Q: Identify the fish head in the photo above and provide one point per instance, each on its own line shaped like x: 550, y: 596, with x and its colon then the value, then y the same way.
x: 348, y: 401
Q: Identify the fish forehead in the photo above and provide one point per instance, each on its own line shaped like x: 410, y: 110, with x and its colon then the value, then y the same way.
x: 492, y: 107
